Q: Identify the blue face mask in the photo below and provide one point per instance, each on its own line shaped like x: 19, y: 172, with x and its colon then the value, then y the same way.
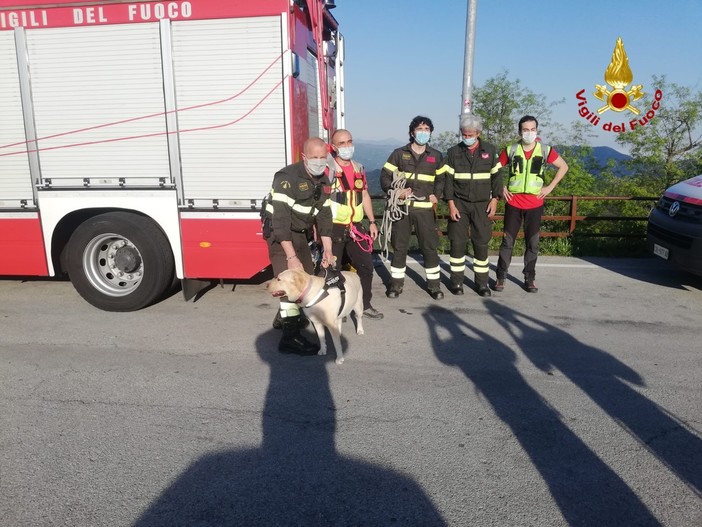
x: 469, y: 141
x: 422, y: 138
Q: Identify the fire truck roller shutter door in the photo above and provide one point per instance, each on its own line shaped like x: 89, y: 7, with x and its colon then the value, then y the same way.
x: 119, y: 261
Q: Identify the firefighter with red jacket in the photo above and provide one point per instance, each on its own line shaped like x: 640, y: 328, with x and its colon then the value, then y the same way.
x: 299, y: 201
x: 413, y: 178
x: 473, y: 187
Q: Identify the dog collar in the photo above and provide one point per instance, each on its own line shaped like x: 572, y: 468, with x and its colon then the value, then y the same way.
x: 304, y: 292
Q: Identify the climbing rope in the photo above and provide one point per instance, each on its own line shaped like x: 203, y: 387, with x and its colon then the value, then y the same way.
x: 395, y: 209
x: 362, y: 239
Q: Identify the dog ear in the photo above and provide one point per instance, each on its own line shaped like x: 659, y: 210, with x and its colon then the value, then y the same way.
x: 300, y: 278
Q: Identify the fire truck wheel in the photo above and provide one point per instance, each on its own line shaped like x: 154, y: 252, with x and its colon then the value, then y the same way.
x: 119, y: 261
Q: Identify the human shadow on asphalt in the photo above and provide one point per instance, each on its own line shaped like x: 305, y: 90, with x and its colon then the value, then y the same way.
x: 586, y: 490
x: 296, y: 477
x: 607, y: 381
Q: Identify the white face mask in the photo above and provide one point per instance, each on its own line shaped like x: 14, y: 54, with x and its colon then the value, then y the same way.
x: 345, y: 152
x: 316, y: 166
x: 528, y: 137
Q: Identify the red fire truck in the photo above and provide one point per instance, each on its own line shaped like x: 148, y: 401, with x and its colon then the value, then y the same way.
x: 138, y: 139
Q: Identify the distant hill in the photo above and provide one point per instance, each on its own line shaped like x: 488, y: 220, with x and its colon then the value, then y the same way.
x: 373, y: 178
x: 603, y: 154
x: 374, y: 154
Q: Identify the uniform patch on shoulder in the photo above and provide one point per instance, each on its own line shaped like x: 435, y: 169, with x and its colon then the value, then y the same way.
x: 406, y: 156
x: 285, y: 184
x: 358, y: 183
x: 431, y: 159
x: 304, y: 186
x: 485, y: 155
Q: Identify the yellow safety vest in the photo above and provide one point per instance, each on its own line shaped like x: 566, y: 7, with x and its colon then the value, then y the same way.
x: 526, y: 176
x: 347, y: 203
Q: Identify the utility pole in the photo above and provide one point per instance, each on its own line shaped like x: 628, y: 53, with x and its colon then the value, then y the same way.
x: 467, y: 105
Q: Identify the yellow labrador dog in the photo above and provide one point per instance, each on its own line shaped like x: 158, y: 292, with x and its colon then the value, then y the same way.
x: 323, y: 310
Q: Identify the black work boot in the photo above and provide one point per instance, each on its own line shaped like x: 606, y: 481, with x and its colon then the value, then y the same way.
x: 395, y: 288
x: 278, y: 321
x: 292, y: 341
x: 481, y: 285
x: 456, y: 283
x: 434, y: 288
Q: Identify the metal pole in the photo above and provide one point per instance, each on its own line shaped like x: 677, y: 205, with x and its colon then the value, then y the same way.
x: 468, y: 61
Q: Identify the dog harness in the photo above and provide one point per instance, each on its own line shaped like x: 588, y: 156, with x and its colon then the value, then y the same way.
x: 332, y: 278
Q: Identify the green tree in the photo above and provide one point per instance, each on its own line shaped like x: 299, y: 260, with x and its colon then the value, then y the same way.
x: 667, y: 148
x: 444, y: 141
x: 501, y: 102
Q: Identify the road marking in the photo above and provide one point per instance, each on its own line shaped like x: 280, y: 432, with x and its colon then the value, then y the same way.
x: 579, y: 266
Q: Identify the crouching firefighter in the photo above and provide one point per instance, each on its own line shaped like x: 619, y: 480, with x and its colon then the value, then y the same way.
x: 299, y: 201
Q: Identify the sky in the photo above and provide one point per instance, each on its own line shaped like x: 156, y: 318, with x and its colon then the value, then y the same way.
x: 405, y: 57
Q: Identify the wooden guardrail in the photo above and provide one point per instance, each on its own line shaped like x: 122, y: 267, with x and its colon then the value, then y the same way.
x: 572, y: 217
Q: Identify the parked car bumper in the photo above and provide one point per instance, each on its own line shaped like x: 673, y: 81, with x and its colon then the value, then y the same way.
x: 679, y: 242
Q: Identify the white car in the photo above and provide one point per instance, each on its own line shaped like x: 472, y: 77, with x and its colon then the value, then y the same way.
x: 674, y: 230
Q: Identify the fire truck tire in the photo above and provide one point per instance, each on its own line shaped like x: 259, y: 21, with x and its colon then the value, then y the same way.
x: 119, y: 261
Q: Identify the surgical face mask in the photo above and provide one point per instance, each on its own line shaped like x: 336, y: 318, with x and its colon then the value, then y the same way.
x: 528, y: 137
x: 422, y: 138
x: 469, y: 141
x: 315, y: 166
x: 345, y: 152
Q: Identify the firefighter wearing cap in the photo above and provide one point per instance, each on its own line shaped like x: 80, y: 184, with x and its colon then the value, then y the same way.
x: 299, y: 200
x: 473, y: 186
x: 415, y: 174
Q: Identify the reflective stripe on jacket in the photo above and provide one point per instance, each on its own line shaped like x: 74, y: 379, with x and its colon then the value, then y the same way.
x: 424, y: 174
x: 474, y: 176
x: 299, y: 201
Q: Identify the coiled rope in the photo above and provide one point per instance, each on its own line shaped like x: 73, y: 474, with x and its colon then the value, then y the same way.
x: 395, y: 209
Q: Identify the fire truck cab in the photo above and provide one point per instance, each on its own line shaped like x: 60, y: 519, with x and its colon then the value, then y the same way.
x: 138, y: 139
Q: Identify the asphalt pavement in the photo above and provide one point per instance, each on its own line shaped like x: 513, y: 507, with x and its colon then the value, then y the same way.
x: 578, y: 405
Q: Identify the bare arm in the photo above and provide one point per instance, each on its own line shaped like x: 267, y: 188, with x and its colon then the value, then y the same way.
x: 562, y: 168
x: 290, y: 254
x: 368, y: 210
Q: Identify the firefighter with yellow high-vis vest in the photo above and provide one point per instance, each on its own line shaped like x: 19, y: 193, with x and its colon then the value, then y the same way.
x: 524, y: 194
x: 473, y: 187
x: 414, y: 176
x: 299, y: 202
x: 350, y: 203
